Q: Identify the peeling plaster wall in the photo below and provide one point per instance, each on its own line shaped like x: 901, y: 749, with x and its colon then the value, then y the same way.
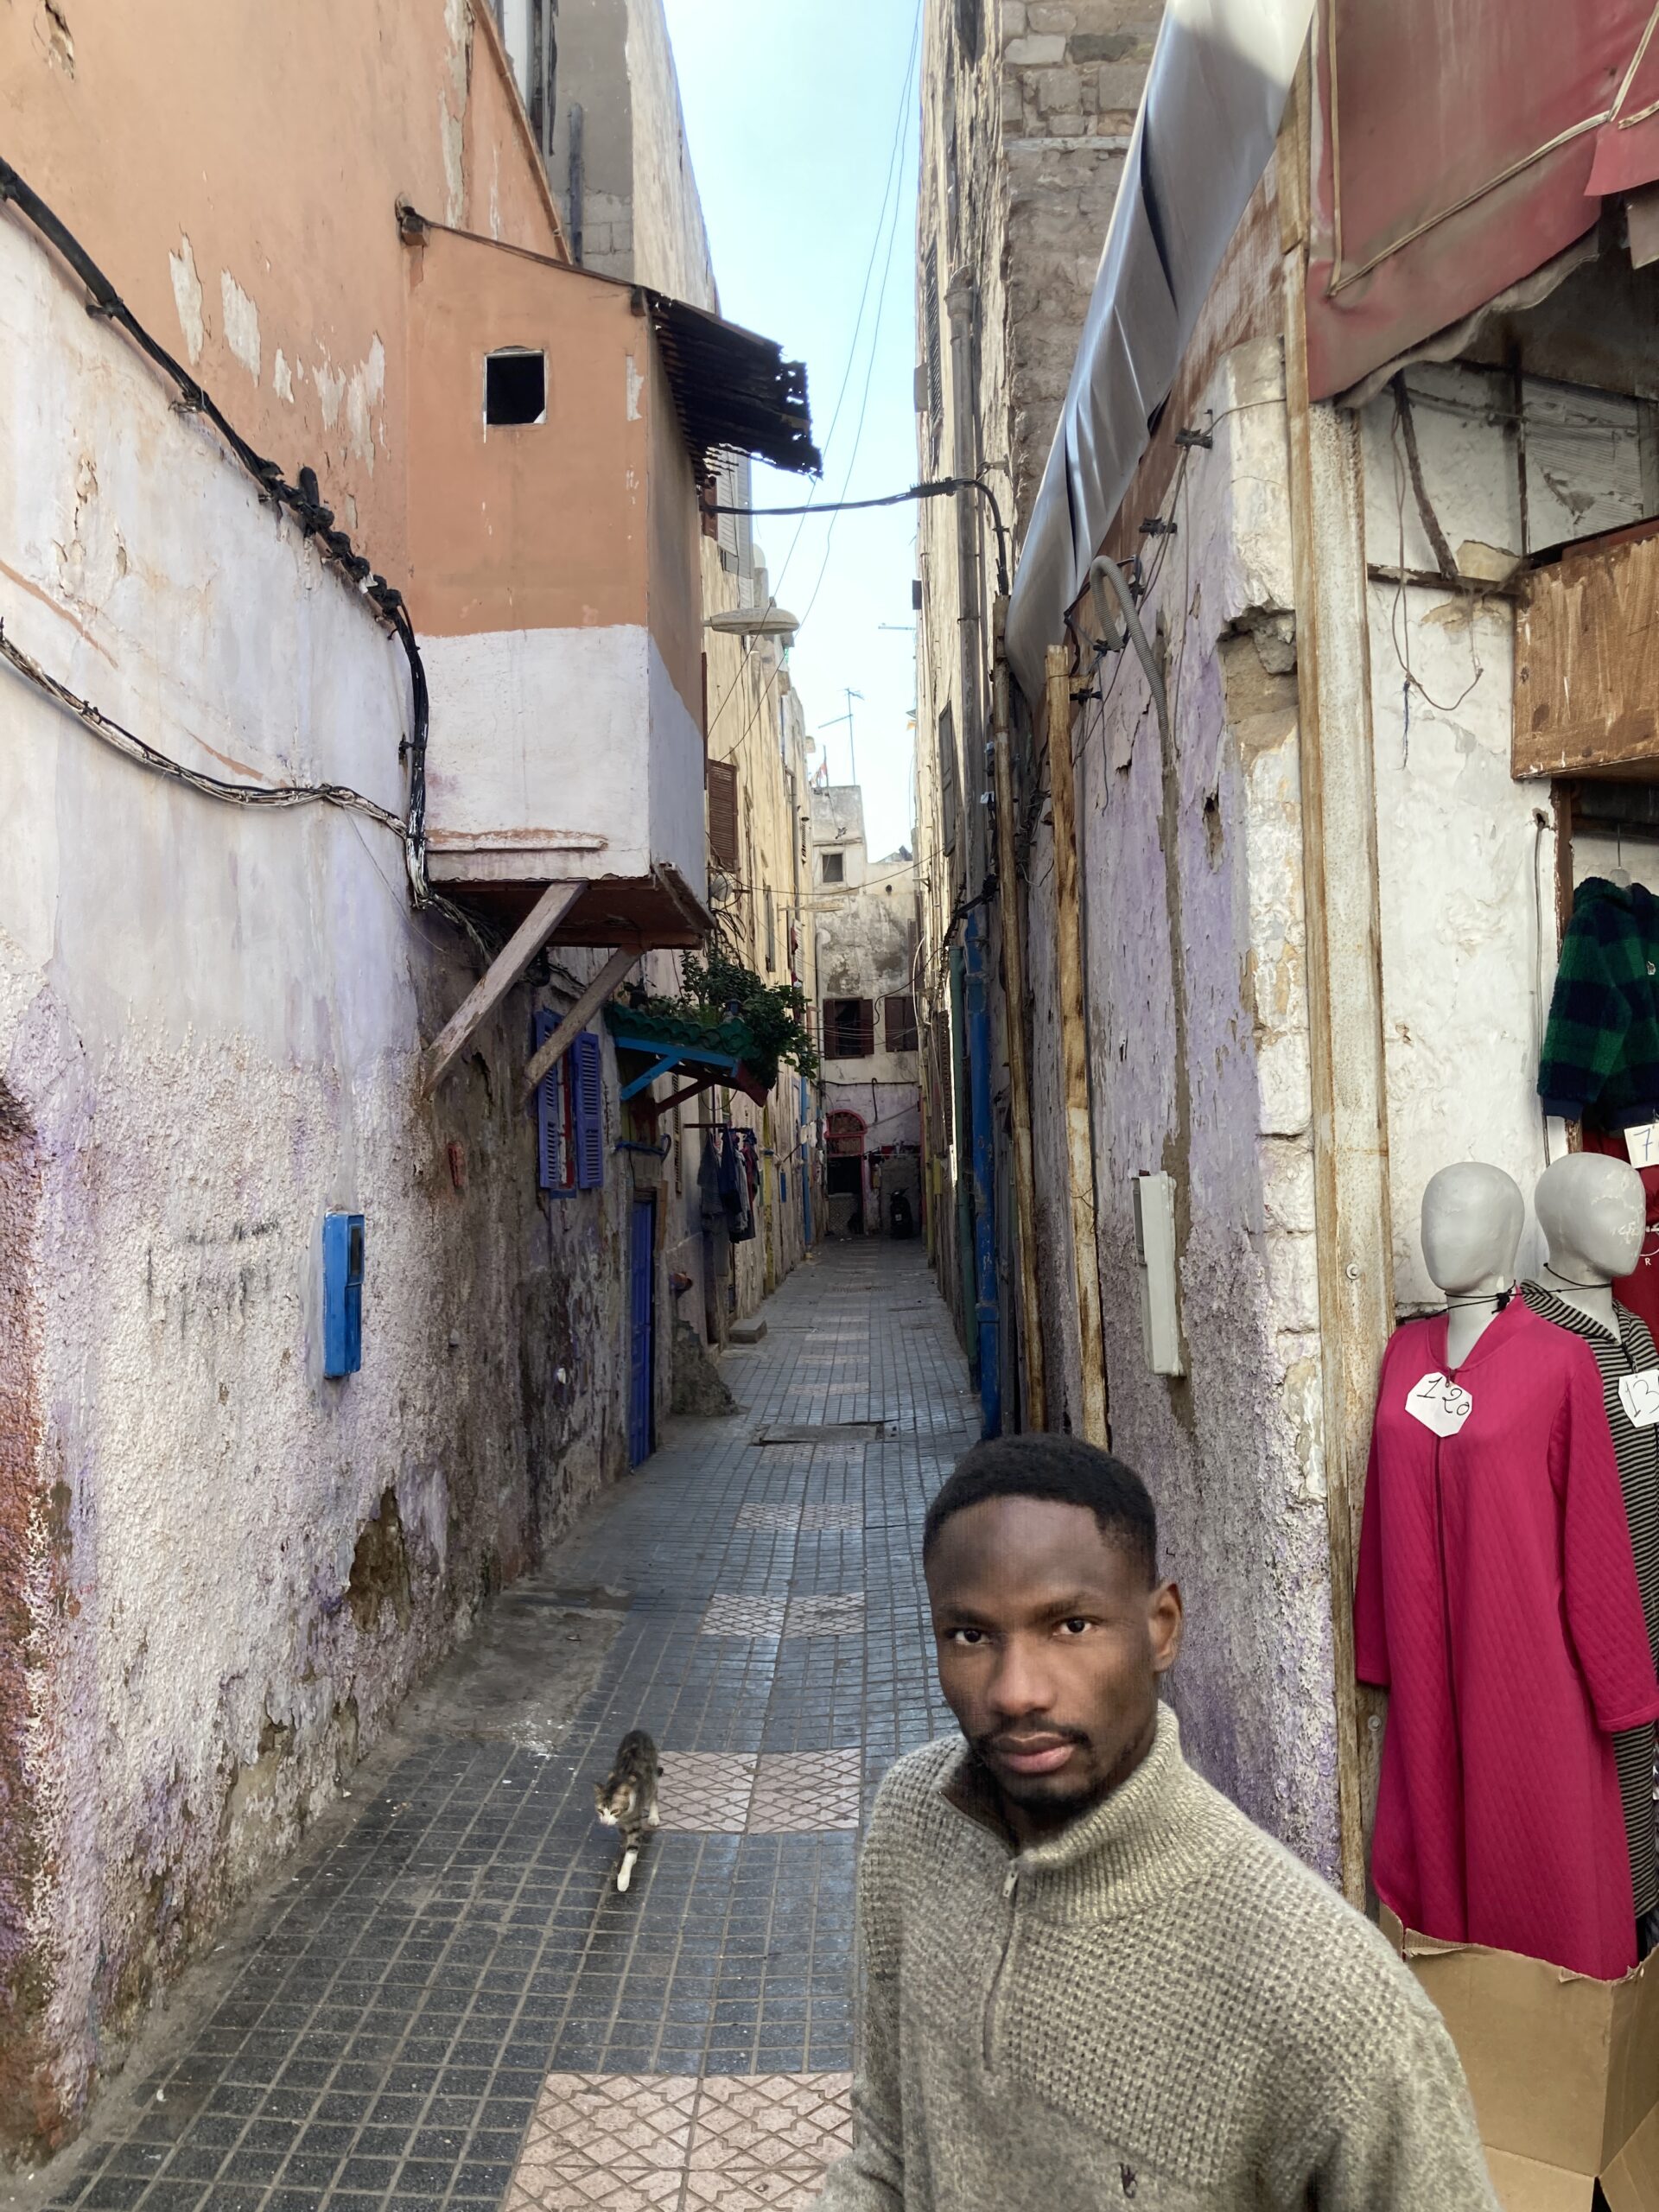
x: 1192, y: 870
x: 234, y: 170
x: 1465, y: 855
x: 225, y: 1569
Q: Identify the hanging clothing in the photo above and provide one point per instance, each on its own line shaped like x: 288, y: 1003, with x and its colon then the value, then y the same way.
x: 734, y: 1189
x: 1639, y: 1290
x: 1636, y: 1450
x: 1498, y: 1604
x: 1600, y: 1061
x: 709, y: 1204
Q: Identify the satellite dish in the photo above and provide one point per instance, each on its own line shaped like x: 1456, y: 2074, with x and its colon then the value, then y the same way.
x: 754, y: 622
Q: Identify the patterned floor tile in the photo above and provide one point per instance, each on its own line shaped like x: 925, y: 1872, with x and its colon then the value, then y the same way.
x: 801, y: 1791
x: 736, y: 1615
x: 772, y: 2120
x: 634, y: 2143
x: 832, y: 1516
x: 787, y: 1517
x: 636, y: 2119
x: 581, y: 2188
x: 841, y: 1615
x: 710, y: 1792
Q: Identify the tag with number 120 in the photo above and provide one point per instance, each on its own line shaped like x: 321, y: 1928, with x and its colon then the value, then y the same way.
x: 1440, y: 1404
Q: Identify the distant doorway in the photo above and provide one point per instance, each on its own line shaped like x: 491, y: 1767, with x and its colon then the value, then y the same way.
x: 844, y: 1174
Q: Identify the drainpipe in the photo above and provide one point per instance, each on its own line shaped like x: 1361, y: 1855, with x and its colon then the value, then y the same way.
x: 986, y: 1317
x: 964, y: 1188
x: 1014, y: 1011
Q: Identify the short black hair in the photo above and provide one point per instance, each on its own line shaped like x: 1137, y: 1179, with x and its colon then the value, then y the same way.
x: 1064, y: 1470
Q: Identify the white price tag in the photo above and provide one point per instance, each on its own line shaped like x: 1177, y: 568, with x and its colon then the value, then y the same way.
x: 1640, y: 1396
x: 1440, y: 1404
x: 1642, y: 1145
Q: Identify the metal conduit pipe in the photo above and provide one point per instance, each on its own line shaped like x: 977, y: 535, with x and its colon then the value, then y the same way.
x: 987, y: 1315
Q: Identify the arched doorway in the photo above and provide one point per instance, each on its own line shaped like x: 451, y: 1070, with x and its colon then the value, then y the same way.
x: 844, y: 1173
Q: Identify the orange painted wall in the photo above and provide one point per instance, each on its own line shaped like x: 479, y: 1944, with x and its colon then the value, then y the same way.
x: 276, y: 140
x: 676, y: 597
x: 538, y: 525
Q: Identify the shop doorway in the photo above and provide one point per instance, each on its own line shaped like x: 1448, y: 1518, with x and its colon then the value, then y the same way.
x: 845, y: 1175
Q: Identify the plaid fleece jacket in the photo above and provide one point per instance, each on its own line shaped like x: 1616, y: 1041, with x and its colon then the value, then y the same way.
x: 1601, y: 1049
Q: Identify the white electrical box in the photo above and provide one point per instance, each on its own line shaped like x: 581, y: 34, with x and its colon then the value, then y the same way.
x: 1154, y: 1251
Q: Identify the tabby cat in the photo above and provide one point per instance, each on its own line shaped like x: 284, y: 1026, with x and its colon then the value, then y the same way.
x: 626, y: 1799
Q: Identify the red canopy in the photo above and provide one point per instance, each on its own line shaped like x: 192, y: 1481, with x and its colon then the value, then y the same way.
x: 1459, y: 147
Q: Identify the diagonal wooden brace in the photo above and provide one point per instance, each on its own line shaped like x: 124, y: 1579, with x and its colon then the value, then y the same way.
x: 571, y: 1024
x: 498, y: 979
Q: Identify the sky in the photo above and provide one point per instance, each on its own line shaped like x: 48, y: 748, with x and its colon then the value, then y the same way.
x: 803, y: 116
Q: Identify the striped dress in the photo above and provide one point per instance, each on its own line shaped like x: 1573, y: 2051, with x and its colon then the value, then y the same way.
x: 1638, y: 1453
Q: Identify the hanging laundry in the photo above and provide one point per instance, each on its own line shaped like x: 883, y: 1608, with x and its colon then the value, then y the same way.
x: 1600, y: 1061
x: 734, y: 1189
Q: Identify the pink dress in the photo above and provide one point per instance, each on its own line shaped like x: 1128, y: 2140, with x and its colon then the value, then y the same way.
x: 1498, y: 1604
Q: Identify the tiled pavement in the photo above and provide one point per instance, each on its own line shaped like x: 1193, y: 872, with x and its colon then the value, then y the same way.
x: 453, y: 2007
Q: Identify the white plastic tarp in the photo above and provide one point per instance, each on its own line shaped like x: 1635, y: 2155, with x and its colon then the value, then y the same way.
x: 1220, y: 75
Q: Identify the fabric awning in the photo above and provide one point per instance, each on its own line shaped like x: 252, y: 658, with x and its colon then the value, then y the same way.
x: 1220, y: 74
x: 1459, y: 150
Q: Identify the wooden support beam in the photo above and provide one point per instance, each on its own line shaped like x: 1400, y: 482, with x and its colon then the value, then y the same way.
x: 572, y: 1024
x: 1352, y: 1241
x: 1074, y: 1059
x: 1035, y: 1408
x: 503, y: 972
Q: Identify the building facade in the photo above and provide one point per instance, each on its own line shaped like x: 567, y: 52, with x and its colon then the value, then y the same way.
x: 1027, y: 113
x: 864, y: 921
x: 340, y: 784
x: 1307, y: 761
x: 617, y: 162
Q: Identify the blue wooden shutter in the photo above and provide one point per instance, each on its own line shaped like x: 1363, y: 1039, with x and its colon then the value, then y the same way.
x: 587, y: 1092
x: 547, y: 1101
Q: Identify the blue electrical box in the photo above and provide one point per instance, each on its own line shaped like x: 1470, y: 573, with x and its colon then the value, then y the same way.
x: 342, y: 1292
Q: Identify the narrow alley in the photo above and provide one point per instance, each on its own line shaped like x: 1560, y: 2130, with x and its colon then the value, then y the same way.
x: 444, y: 2001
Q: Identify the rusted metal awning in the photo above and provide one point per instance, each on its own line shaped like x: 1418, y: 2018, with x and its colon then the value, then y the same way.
x: 1457, y: 151
x: 732, y: 388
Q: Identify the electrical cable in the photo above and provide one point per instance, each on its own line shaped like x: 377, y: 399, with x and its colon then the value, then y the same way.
x: 127, y: 741
x: 302, y: 500
x: 847, y: 372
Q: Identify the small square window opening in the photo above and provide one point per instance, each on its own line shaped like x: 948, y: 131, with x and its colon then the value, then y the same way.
x: 515, y: 386
x: 834, y: 867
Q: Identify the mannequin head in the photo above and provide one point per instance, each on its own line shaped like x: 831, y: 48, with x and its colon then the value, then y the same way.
x: 1592, y: 1210
x: 1472, y: 1218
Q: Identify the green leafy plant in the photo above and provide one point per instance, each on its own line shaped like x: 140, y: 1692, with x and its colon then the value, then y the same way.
x: 715, y: 989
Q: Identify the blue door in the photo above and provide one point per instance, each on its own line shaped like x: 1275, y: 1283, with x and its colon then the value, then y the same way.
x: 642, y: 1253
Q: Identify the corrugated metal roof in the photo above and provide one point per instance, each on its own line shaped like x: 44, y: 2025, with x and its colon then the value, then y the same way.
x: 733, y: 388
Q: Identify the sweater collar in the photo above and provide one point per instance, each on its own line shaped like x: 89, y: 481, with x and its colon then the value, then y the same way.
x: 1147, y: 1836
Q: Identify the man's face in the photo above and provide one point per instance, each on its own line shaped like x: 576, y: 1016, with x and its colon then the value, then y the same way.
x: 1051, y: 1643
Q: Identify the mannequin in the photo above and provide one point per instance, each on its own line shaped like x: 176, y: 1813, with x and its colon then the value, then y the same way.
x: 1471, y: 1223
x: 1497, y: 1603
x: 1593, y: 1209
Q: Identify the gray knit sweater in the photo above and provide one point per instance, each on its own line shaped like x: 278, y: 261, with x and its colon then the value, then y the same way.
x: 1159, y: 2005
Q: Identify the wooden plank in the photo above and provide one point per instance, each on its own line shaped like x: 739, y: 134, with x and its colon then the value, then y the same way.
x: 1074, y: 1055
x: 503, y: 972
x: 1352, y: 1213
x: 1014, y: 1012
x: 572, y: 1024
x: 1587, y: 663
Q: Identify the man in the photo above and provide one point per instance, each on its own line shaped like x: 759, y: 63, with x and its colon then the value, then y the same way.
x: 1085, y: 1978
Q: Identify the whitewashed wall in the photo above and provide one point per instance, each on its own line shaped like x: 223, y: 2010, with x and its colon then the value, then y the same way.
x: 1465, y: 855
x: 210, y: 1022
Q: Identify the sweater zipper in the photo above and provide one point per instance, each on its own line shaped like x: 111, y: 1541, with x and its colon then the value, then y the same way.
x: 1010, y: 1884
